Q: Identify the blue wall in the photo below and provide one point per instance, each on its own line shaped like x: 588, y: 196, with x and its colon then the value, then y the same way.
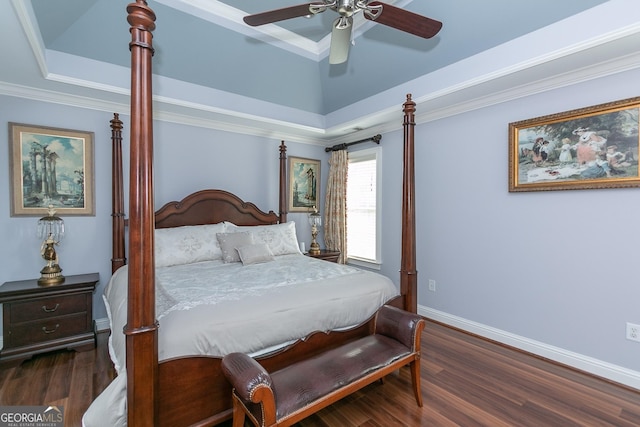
x: 547, y: 269
x: 556, y: 267
x: 187, y: 159
x: 548, y: 272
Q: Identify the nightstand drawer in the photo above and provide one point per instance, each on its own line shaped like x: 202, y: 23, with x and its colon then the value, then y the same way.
x: 47, y: 330
x: 45, y: 308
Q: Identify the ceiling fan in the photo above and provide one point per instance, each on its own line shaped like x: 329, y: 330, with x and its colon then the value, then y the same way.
x: 379, y: 12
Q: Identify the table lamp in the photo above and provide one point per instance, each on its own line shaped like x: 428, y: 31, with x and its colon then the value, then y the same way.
x: 316, y: 221
x: 51, y: 230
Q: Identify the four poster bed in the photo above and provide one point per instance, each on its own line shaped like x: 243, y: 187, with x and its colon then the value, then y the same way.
x: 169, y: 383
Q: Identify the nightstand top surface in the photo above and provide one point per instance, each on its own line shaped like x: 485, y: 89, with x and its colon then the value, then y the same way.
x: 30, y: 286
x: 327, y: 252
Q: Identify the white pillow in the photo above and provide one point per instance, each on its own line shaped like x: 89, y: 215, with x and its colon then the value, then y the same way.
x: 229, y: 242
x: 281, y: 238
x: 187, y: 244
x: 254, y: 254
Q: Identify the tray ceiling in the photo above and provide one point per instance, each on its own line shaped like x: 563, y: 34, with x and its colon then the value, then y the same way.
x: 205, y: 56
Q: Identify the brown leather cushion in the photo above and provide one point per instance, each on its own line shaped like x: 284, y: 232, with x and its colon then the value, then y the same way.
x: 304, y: 382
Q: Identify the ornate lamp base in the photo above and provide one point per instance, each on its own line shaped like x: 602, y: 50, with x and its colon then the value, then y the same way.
x: 314, y: 248
x: 50, y: 275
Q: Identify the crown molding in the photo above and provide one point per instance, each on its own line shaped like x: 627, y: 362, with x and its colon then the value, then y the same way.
x: 430, y: 107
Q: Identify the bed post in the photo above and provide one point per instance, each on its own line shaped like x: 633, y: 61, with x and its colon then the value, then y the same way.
x: 408, y: 273
x: 141, y: 329
x: 283, y: 183
x: 118, y: 256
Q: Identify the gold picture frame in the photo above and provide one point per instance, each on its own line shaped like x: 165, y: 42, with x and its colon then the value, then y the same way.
x: 51, y: 166
x: 588, y: 148
x: 304, y: 184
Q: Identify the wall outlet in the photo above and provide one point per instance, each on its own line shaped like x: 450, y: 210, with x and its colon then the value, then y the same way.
x: 633, y: 332
x: 432, y: 285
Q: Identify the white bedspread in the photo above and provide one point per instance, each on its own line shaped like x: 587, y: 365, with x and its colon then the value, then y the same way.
x: 212, y: 308
x: 186, y: 286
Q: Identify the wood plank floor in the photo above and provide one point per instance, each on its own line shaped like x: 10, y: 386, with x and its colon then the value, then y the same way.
x: 466, y: 381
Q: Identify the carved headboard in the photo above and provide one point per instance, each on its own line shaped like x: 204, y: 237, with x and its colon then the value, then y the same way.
x: 211, y: 207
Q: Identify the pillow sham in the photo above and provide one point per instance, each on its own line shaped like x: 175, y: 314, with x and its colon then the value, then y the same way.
x: 229, y: 242
x: 280, y: 238
x: 255, y: 254
x: 187, y: 244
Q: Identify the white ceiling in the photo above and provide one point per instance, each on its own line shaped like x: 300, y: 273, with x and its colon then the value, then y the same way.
x: 213, y: 70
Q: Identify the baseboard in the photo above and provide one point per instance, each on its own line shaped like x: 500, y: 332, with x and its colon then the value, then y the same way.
x: 102, y: 325
x: 593, y: 366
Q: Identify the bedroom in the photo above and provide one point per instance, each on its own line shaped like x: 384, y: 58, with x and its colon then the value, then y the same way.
x: 535, y: 295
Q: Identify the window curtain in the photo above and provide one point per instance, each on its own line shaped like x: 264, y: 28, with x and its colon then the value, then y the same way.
x: 335, y: 204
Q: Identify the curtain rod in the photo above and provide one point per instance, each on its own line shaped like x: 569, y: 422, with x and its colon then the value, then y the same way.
x: 339, y: 147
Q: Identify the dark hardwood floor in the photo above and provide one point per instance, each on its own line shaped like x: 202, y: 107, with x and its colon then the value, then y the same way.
x: 466, y: 381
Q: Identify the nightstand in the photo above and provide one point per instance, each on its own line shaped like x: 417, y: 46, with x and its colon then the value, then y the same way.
x: 327, y: 255
x: 37, y: 319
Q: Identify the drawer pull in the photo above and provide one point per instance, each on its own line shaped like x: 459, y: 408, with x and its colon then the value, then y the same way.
x: 50, y: 310
x: 50, y: 331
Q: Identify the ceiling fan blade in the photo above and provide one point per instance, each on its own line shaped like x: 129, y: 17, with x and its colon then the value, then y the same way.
x: 340, y: 40
x: 278, y: 14
x: 404, y: 20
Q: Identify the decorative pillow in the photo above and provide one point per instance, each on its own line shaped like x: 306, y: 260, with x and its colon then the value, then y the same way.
x: 187, y: 244
x: 281, y: 238
x: 255, y: 254
x: 229, y: 242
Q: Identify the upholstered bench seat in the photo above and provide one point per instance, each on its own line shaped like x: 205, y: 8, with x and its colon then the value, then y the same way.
x: 288, y: 395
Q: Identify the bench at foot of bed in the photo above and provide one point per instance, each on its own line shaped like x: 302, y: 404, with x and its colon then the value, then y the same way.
x: 286, y: 396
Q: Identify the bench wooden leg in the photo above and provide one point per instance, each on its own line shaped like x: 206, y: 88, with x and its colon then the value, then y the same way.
x: 238, y: 414
x: 415, y: 380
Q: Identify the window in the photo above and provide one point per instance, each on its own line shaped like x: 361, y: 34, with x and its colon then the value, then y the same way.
x: 363, y: 210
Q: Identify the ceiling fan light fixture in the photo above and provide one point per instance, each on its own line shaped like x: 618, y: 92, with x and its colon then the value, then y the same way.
x: 340, y: 40
x: 343, y: 23
x: 373, y: 11
x: 346, y: 8
x: 320, y: 7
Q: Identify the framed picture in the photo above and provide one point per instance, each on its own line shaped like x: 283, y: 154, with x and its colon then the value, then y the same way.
x: 304, y: 184
x: 593, y: 147
x: 50, y: 166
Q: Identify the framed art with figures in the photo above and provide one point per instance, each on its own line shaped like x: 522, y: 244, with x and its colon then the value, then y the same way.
x: 50, y: 167
x: 587, y: 148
